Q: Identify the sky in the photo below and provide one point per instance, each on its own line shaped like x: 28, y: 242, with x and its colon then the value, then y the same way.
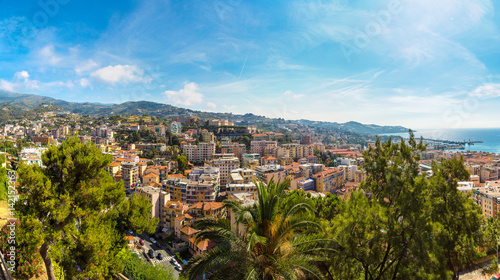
x: 414, y: 63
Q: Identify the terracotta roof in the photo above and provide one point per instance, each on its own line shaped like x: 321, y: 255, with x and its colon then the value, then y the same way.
x: 150, y: 175
x: 176, y: 176
x: 189, y: 230
x: 114, y: 163
x: 206, y: 206
x: 129, y: 238
x: 175, y: 204
x: 204, y: 245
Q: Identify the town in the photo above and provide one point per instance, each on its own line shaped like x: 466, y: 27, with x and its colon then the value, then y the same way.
x: 187, y: 167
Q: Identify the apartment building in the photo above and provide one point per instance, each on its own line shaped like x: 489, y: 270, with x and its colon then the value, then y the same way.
x: 349, y: 171
x: 225, y: 164
x: 157, y: 198
x: 488, y: 173
x: 474, y: 169
x: 199, y: 153
x: 234, y: 148
x: 130, y: 173
x: 242, y: 180
x: 264, y: 148
x: 189, y: 191
x: 329, y: 179
x: 267, y: 172
x: 251, y: 160
x: 172, y: 210
x: 205, y: 173
x: 488, y: 198
x: 359, y: 176
x: 175, y: 127
x: 207, y: 136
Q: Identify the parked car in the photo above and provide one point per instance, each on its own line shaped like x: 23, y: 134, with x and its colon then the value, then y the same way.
x: 153, y: 240
x: 130, y: 231
x: 160, y: 257
x: 151, y: 253
x: 141, y: 242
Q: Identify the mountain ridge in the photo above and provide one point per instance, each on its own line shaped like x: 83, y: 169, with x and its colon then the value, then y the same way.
x: 15, y: 105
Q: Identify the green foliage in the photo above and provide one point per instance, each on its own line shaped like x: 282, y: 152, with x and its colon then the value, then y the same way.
x: 77, y: 210
x: 28, y: 262
x: 182, y: 163
x: 135, y: 268
x: 274, y: 244
x: 493, y: 268
x: 403, y: 225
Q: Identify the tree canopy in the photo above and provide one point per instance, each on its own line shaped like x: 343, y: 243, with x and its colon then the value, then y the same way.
x: 78, y: 211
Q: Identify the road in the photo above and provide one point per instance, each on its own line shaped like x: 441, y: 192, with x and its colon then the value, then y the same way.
x: 149, y: 245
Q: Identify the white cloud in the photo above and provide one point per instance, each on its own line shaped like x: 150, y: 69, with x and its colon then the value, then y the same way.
x: 49, y: 55
x: 84, y: 82
x: 86, y: 67
x: 22, y: 75
x: 211, y: 105
x: 187, y: 96
x: 7, y: 86
x: 486, y: 90
x: 294, y: 96
x: 119, y: 74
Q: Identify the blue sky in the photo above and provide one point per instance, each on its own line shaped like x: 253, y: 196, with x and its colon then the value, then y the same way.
x: 415, y: 63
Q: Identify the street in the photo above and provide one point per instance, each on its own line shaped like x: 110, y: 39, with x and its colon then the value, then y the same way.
x: 157, y: 250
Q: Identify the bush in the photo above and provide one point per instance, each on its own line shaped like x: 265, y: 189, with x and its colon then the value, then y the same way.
x: 28, y: 262
x: 493, y: 268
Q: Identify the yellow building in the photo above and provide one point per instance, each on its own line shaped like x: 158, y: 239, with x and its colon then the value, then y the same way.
x: 113, y: 168
x: 329, y: 179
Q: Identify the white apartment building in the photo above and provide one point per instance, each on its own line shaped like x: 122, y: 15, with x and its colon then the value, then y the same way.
x: 225, y: 164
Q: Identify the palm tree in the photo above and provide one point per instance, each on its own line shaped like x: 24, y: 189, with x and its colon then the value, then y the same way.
x: 277, y: 242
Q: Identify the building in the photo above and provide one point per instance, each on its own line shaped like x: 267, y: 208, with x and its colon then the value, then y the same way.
x: 488, y: 198
x: 207, y: 136
x: 205, y: 173
x: 302, y: 183
x: 150, y: 178
x: 267, y: 172
x: 157, y: 198
x: 264, y: 148
x: 359, y: 176
x: 200, y: 247
x: 349, y: 171
x: 225, y: 164
x: 251, y: 160
x: 199, y: 153
x: 208, y: 209
x: 242, y: 181
x: 329, y: 179
x: 175, y: 127
x: 130, y: 173
x: 32, y: 155
x: 43, y: 140
x: 488, y: 173
x: 113, y: 168
x: 172, y: 210
x: 474, y: 169
x: 234, y: 148
x: 190, y: 192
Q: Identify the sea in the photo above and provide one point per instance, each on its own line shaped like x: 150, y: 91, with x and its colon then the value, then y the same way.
x: 489, y: 136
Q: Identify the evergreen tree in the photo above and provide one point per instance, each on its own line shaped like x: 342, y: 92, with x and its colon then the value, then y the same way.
x: 78, y: 210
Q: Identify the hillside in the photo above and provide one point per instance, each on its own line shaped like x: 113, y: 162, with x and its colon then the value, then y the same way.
x: 15, y: 105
